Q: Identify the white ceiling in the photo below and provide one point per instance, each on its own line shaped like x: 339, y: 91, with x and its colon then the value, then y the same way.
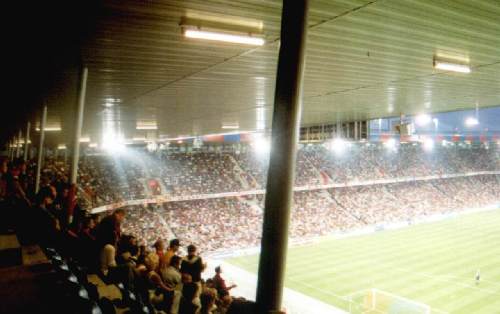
x: 365, y: 59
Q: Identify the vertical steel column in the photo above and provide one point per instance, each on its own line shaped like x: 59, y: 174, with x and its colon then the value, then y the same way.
x: 356, y: 131
x: 18, y: 148
x: 14, y: 146
x: 78, y: 126
x: 26, y: 141
x: 9, y: 149
x: 40, y: 148
x: 14, y: 143
x: 280, y: 178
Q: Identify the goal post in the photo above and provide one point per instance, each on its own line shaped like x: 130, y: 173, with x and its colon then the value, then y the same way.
x: 376, y: 301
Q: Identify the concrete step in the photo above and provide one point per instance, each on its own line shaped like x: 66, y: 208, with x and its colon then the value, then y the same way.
x: 32, y: 255
x: 10, y: 251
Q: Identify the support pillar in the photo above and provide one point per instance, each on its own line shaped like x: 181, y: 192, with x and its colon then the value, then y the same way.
x: 18, y: 146
x: 26, y: 142
x: 280, y: 179
x: 356, y: 131
x: 40, y: 149
x: 9, y: 150
x: 78, y: 126
x: 14, y: 150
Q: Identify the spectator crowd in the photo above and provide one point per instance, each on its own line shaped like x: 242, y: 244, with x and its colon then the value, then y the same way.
x: 156, y: 250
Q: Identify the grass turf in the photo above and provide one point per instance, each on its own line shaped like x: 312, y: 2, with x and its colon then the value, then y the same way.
x: 433, y: 263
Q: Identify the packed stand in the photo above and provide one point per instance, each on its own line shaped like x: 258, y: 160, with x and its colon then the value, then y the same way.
x: 199, y: 173
x: 89, y: 252
x: 215, y: 224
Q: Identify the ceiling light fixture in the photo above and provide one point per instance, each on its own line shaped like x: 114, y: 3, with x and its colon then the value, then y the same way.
x: 231, y: 126
x: 451, y: 65
x: 224, y: 37
x: 146, y: 127
x: 50, y: 129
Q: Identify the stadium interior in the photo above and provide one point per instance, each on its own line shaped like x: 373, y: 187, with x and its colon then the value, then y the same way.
x: 251, y: 156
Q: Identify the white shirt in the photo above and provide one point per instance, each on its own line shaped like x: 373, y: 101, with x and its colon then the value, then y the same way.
x: 107, y: 258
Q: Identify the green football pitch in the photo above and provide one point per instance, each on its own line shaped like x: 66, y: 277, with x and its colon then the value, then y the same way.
x: 432, y: 263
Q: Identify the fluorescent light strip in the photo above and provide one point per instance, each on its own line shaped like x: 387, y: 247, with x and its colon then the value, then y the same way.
x: 50, y: 129
x: 146, y: 127
x: 84, y: 139
x: 237, y: 39
x: 231, y: 127
x: 454, y: 67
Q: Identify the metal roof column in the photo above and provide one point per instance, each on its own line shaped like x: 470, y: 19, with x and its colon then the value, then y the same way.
x: 285, y: 131
x: 40, y: 149
x: 26, y: 141
x: 78, y: 126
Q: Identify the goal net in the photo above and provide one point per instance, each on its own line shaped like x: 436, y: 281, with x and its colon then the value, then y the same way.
x: 375, y: 301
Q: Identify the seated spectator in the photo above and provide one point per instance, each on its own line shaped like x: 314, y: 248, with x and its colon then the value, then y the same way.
x: 128, y: 250
x: 188, y: 300
x: 207, y: 300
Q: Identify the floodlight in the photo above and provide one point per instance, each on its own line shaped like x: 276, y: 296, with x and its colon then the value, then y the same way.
x: 113, y: 147
x: 471, y: 121
x: 338, y: 145
x: 112, y: 143
x: 428, y: 144
x: 390, y: 144
x: 262, y: 146
x: 423, y: 119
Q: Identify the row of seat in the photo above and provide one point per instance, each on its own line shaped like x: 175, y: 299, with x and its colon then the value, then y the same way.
x: 82, y: 292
